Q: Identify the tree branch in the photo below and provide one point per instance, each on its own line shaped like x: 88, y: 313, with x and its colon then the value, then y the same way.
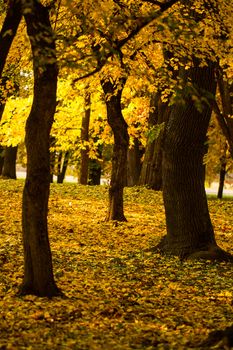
x: 120, y: 43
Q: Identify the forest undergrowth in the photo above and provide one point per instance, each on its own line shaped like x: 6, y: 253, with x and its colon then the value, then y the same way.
x: 119, y: 295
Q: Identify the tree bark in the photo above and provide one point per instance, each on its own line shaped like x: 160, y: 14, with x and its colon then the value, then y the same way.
x: 38, y: 271
x: 9, y: 164
x: 151, y: 174
x: 83, y: 173
x: 63, y: 167
x: 134, y: 164
x: 189, y: 229
x: 222, y: 173
x: 2, y: 107
x: 119, y: 127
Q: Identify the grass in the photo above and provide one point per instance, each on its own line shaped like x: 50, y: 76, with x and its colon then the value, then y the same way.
x: 119, y: 296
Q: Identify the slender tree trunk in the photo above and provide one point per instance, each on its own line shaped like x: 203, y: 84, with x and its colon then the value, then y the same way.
x: 83, y: 173
x: 9, y: 165
x: 63, y: 167
x: 38, y: 272
x: 189, y: 229
x: 222, y: 173
x: 134, y: 164
x: 147, y: 162
x: 9, y: 29
x: 119, y: 127
x: 2, y: 107
x: 224, y: 118
x: 7, y: 34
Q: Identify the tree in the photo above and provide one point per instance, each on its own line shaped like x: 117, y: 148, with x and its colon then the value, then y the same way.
x: 7, y: 34
x: 9, y: 165
x: 113, y: 91
x: 84, y: 157
x: 151, y: 173
x: 38, y: 272
x: 189, y: 229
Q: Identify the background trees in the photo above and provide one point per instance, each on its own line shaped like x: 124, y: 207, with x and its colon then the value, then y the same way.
x: 133, y: 51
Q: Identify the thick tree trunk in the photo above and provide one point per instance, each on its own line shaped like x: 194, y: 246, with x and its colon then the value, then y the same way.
x: 119, y: 127
x: 9, y: 165
x: 38, y: 271
x: 189, y: 228
x: 83, y: 172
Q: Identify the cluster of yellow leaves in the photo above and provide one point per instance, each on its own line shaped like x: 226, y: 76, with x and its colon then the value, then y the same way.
x: 119, y: 294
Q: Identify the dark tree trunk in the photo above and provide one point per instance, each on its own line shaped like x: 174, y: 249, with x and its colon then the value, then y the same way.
x: 151, y: 173
x: 63, y: 167
x: 2, y: 107
x: 224, y: 118
x: 222, y: 173
x: 9, y: 29
x: 94, y: 172
x: 9, y: 165
x: 83, y: 173
x: 189, y: 228
x: 134, y: 164
x: 119, y: 127
x: 38, y: 271
x: 10, y: 26
x: 52, y: 157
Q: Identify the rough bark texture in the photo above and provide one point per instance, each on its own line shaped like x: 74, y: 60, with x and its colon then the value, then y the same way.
x: 9, y: 165
x: 151, y: 173
x: 83, y: 173
x: 119, y: 127
x: 189, y: 228
x: 38, y: 271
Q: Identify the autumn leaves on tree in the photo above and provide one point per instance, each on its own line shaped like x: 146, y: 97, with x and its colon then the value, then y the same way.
x: 120, y: 45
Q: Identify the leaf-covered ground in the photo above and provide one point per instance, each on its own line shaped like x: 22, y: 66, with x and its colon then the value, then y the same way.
x: 119, y: 295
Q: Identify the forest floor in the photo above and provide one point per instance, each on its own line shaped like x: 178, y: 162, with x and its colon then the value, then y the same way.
x: 119, y: 295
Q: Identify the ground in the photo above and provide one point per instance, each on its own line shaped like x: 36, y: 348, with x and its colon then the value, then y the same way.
x: 118, y: 294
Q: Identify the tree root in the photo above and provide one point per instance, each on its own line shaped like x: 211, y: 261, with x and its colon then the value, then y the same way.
x: 213, y: 253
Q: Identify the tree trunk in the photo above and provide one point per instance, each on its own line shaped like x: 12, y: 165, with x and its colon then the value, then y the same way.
x: 224, y: 119
x: 2, y: 107
x: 134, y: 164
x: 10, y: 26
x: 9, y: 165
x: 151, y: 174
x: 38, y: 271
x: 63, y: 167
x: 94, y: 172
x: 83, y: 173
x: 222, y: 174
x: 189, y: 228
x: 119, y: 127
x: 9, y: 29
